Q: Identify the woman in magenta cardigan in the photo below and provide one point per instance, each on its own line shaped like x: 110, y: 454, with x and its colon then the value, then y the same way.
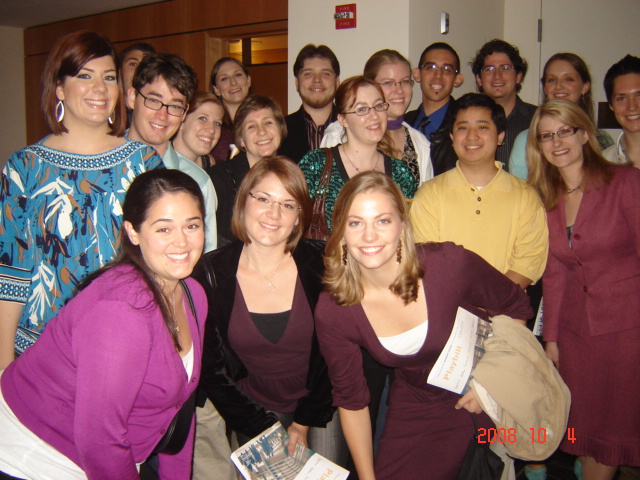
x: 95, y: 394
x: 591, y: 284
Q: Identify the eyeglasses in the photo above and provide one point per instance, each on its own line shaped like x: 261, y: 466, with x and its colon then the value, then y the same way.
x: 408, y: 83
x: 445, y: 69
x: 362, y: 111
x: 562, y: 133
x: 265, y: 202
x: 154, y: 104
x: 490, y: 69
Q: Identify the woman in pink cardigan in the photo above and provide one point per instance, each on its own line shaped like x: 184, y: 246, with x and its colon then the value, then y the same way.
x: 94, y: 396
x: 591, y: 285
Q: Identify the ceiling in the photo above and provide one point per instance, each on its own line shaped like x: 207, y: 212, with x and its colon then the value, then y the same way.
x: 30, y: 13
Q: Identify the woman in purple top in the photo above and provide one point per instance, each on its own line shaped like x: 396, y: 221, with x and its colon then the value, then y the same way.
x: 383, y: 295
x: 94, y: 396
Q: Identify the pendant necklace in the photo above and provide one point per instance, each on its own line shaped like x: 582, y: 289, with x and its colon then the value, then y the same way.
x: 271, y: 287
x: 375, y: 167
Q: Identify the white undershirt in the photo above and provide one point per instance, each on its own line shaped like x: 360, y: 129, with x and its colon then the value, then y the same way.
x: 406, y: 343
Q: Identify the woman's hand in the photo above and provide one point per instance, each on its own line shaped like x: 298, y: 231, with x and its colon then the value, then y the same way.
x: 297, y: 434
x: 469, y: 402
x: 553, y: 353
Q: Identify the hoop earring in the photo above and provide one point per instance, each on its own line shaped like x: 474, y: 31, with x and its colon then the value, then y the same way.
x: 59, y: 111
x: 110, y: 120
x: 344, y: 254
x: 399, y: 253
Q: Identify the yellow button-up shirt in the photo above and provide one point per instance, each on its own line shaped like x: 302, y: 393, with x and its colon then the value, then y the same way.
x: 504, y: 222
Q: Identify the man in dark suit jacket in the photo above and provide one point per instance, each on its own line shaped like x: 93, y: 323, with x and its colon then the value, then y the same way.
x: 438, y: 72
x: 317, y: 73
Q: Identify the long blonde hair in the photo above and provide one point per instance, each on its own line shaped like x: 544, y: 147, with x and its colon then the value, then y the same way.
x: 544, y: 176
x: 343, y: 281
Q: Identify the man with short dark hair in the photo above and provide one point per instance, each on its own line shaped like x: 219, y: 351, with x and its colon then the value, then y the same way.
x: 317, y: 73
x: 500, y: 70
x: 130, y: 58
x: 479, y: 205
x: 161, y: 90
x: 438, y: 72
x: 622, y: 87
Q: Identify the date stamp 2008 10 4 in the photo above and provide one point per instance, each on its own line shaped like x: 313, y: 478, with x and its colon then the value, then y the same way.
x: 509, y: 435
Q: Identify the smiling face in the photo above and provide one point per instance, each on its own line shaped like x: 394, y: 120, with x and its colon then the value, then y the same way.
x: 499, y: 85
x: 475, y: 136
x: 200, y: 131
x: 155, y: 127
x: 437, y: 86
x: 317, y: 82
x: 372, y: 232
x: 171, y: 238
x: 398, y: 97
x: 564, y: 153
x: 369, y: 128
x: 563, y: 82
x: 91, y: 96
x: 232, y: 84
x: 625, y: 101
x: 270, y: 224
x: 260, y: 135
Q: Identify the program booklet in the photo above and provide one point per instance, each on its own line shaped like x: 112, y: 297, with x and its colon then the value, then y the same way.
x: 266, y: 457
x: 461, y: 353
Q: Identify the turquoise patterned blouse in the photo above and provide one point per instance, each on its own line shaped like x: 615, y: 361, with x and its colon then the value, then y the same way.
x: 60, y: 217
x: 312, y: 165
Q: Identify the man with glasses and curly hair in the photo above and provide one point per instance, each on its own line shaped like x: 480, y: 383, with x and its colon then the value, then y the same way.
x: 500, y: 70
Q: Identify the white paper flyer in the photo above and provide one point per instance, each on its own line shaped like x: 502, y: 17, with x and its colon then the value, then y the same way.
x: 266, y: 457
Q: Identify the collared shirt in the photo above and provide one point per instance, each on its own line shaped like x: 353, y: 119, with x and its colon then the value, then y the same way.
x: 504, y: 222
x: 430, y: 123
x: 177, y: 161
x: 616, y: 153
x: 316, y: 132
x: 517, y: 121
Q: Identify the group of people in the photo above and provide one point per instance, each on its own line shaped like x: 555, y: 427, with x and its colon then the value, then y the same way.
x: 154, y: 255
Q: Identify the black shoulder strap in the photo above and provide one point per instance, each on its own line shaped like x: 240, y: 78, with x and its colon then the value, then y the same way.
x: 187, y: 293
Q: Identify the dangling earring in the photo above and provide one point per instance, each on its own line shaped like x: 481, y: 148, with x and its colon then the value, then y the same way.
x: 399, y: 253
x: 59, y: 111
x: 110, y: 120
x: 344, y: 254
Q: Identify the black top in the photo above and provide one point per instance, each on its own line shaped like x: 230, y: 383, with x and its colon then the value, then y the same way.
x: 296, y: 145
x: 226, y: 178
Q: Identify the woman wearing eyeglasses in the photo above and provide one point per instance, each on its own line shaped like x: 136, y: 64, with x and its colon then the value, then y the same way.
x: 368, y: 147
x: 61, y: 198
x: 390, y: 70
x: 591, y: 284
x: 261, y: 361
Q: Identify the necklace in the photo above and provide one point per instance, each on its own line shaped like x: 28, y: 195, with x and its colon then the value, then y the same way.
x: 375, y: 167
x: 567, y: 191
x: 271, y: 287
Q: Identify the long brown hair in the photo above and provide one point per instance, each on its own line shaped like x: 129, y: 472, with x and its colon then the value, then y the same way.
x: 544, y: 176
x: 343, y: 281
x: 578, y: 64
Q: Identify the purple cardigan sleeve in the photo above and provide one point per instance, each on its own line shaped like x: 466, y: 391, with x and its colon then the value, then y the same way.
x: 111, y: 353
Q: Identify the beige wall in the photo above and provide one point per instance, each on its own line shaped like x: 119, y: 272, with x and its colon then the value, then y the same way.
x: 13, y: 129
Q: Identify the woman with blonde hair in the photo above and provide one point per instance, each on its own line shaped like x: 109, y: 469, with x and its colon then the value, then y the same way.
x: 399, y: 302
x: 591, y: 303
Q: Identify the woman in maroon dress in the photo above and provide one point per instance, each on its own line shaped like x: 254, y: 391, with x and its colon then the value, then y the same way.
x: 591, y: 284
x: 384, y: 293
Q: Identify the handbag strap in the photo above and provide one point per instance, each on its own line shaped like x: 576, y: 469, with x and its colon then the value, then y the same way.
x: 325, y: 177
x: 187, y: 293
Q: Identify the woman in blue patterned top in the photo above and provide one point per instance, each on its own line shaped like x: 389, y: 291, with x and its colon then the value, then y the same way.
x: 61, y: 199
x: 363, y: 114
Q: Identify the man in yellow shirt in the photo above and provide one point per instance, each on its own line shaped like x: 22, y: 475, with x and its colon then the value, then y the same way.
x: 479, y: 205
